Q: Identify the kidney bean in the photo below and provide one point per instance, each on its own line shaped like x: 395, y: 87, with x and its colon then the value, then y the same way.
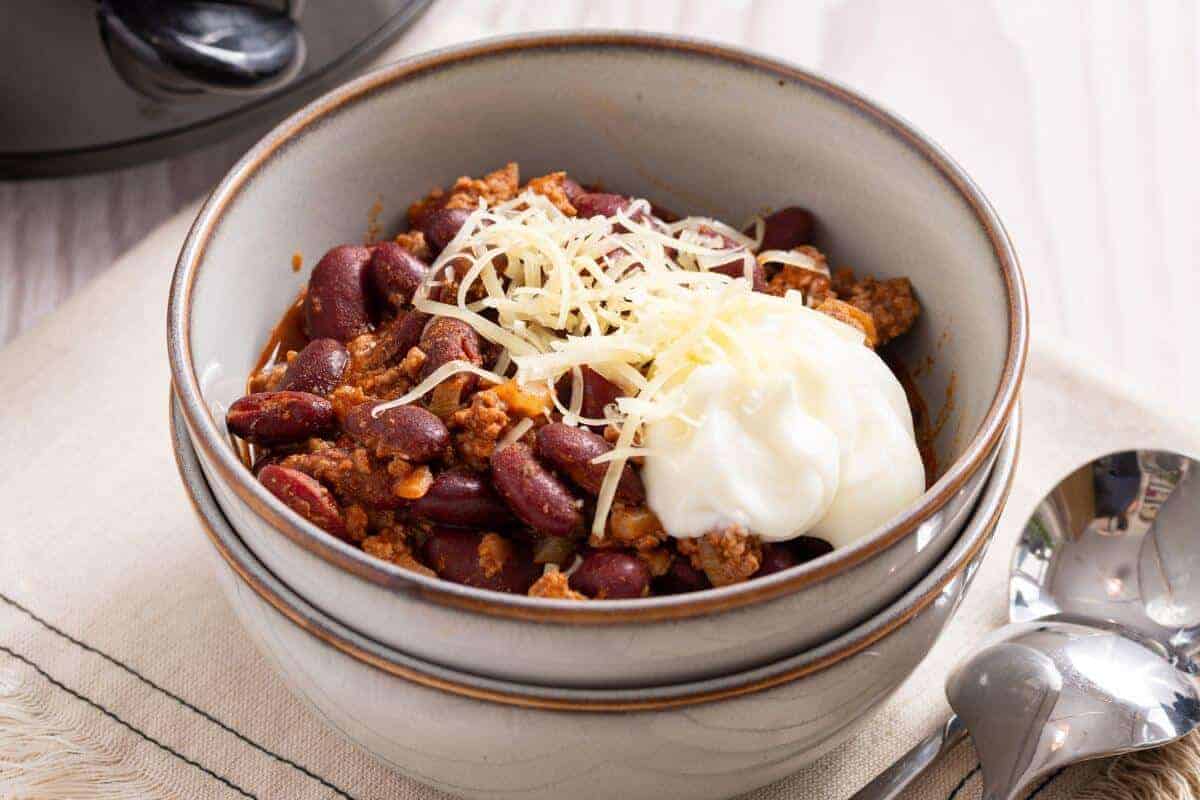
x: 447, y: 339
x: 279, y: 417
x: 598, y: 393
x: 410, y: 432
x: 305, y: 496
x: 470, y: 558
x: 737, y: 269
x: 317, y: 369
x: 396, y: 338
x: 610, y: 575
x: 806, y: 548
x: 572, y: 189
x: 572, y: 450
x: 535, y: 495
x: 662, y: 213
x: 336, y: 468
x: 775, y: 558
x: 786, y: 228
x: 395, y: 273
x: 266, y: 459
x: 599, y: 204
x: 682, y: 577
x: 336, y: 304
x: 462, y: 498
x: 442, y: 225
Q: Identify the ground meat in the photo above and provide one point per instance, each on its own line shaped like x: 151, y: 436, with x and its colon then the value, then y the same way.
x: 813, y: 284
x: 793, y: 278
x: 479, y: 426
x: 851, y: 315
x: 412, y: 363
x: 380, y: 520
x: 360, y: 348
x: 384, y: 384
x: 346, y: 397
x: 449, y: 279
x: 657, y: 560
x: 890, y: 303
x: 552, y: 186
x: 357, y: 523
x: 267, y: 379
x: 495, y: 187
x: 494, y: 552
x: 392, y: 545
x: 554, y: 585
x: 414, y: 242
x: 726, y: 556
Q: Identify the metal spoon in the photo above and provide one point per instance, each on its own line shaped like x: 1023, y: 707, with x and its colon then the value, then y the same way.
x: 1112, y: 543
x: 1116, y: 541
x: 1042, y: 695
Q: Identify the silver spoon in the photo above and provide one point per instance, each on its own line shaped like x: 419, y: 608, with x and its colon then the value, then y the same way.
x: 1042, y: 695
x: 1113, y: 544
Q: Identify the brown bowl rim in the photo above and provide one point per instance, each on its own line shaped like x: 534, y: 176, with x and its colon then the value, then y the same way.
x: 429, y: 679
x: 209, y: 439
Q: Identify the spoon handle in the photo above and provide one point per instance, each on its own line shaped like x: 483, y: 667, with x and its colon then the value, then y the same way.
x: 896, y: 778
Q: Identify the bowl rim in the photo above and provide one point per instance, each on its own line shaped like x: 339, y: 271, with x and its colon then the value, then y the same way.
x: 214, y: 446
x: 961, y: 560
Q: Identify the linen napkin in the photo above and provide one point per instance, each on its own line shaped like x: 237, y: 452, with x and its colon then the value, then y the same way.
x: 124, y: 674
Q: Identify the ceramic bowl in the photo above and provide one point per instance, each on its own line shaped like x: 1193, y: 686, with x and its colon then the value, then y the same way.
x: 483, y: 737
x: 699, y: 128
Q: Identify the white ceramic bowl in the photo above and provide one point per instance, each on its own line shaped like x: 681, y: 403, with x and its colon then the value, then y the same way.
x: 482, y: 737
x: 698, y: 128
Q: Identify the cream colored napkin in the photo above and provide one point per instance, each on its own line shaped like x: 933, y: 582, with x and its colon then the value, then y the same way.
x: 123, y: 671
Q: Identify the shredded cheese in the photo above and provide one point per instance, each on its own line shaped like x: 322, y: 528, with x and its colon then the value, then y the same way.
x: 516, y: 432
x: 629, y: 296
x: 447, y: 370
x: 793, y: 257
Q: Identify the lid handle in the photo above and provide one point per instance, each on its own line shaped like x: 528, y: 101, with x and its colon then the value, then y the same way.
x: 175, y: 50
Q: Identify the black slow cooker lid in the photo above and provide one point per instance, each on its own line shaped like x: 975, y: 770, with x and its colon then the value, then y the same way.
x: 95, y: 85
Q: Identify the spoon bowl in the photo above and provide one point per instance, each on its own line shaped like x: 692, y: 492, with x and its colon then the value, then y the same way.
x: 1037, y: 696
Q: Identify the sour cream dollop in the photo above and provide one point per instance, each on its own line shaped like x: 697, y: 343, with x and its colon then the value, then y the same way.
x: 818, y: 442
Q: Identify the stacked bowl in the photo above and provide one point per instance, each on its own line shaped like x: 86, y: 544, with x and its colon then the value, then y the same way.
x: 705, y: 694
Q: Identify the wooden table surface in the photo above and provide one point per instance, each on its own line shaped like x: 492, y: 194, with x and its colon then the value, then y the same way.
x: 1078, y: 119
